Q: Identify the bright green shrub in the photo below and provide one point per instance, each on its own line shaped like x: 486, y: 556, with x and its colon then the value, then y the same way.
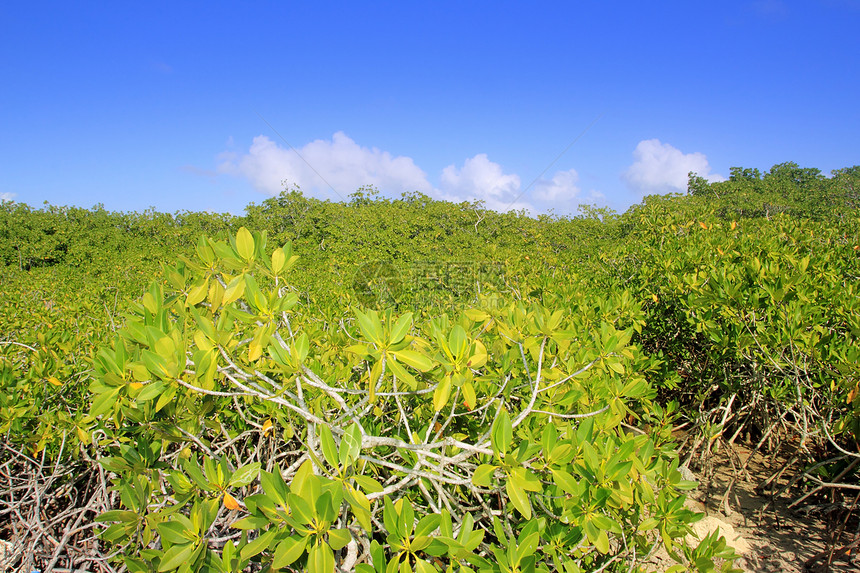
x: 248, y: 429
x: 757, y: 320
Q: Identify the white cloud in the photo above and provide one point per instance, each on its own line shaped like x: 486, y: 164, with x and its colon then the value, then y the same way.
x: 346, y: 166
x: 483, y: 180
x: 662, y: 168
x: 6, y: 197
x: 340, y: 164
x: 562, y: 187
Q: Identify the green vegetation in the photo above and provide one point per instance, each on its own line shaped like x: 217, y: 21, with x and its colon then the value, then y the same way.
x: 413, y: 385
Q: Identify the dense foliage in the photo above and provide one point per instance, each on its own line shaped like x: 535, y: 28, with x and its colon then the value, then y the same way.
x: 409, y: 384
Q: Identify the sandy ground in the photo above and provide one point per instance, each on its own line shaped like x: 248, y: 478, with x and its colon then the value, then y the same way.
x: 775, y: 538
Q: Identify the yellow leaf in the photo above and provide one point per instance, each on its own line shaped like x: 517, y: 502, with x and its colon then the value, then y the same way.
x: 203, y: 341
x: 83, y: 436
x: 245, y: 244
x: 216, y: 294
x: 442, y: 393
x: 140, y: 373
x: 54, y: 381
x: 255, y: 350
x: 149, y: 303
x: 235, y: 289
x: 734, y: 225
x: 267, y: 425
x: 198, y: 293
x: 703, y: 225
x: 469, y: 397
x: 230, y: 502
x: 654, y: 296
x: 278, y: 260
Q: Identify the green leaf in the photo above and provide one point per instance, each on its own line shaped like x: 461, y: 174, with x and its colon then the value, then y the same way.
x: 602, y: 542
x: 566, y: 482
x: 250, y: 522
x: 428, y: 524
x: 245, y: 475
x: 301, y: 509
x: 193, y: 470
x: 519, y: 498
x: 591, y: 531
x: 104, y: 402
x: 479, y: 355
x: 442, y: 393
x: 360, y: 506
x: 108, y: 361
x: 303, y: 481
x: 135, y: 565
x: 525, y: 479
x: 389, y: 516
x: 175, y: 556
x: 118, y: 515
x: 165, y: 347
x: 548, y: 440
x: 416, y: 360
x: 617, y: 366
x: 197, y: 293
x: 235, y: 289
x: 300, y: 348
x: 457, y: 341
x: 361, y: 350
x: 327, y: 444
x: 370, y: 326
x: 326, y: 506
x: 259, y: 545
x: 150, y: 391
x: 476, y: 315
x: 149, y: 303
x: 367, y: 483
x: 288, y: 551
x: 483, y: 476
x: 527, y: 545
x: 400, y: 329
x: 338, y: 538
x: 402, y: 374
x: 405, y: 522
x: 420, y: 542
x: 166, y: 397
x: 156, y: 364
x: 350, y: 445
x: 321, y: 559
x: 502, y: 433
x: 176, y: 532
x: 605, y: 523
x: 228, y: 553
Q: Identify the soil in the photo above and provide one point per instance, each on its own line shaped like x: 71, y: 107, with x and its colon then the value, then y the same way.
x: 769, y: 535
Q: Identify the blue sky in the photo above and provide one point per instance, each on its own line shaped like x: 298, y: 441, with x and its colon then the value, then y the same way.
x: 190, y: 105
